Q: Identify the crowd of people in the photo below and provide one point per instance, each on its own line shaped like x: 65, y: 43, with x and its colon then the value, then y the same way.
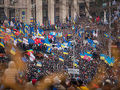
x: 77, y: 44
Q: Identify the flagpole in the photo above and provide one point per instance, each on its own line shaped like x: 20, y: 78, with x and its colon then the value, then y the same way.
x: 109, y: 45
x: 74, y: 54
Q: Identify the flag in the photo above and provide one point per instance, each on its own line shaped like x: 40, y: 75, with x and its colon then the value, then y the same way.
x: 73, y: 27
x: 45, y: 55
x: 47, y: 44
x: 47, y: 41
x: 75, y: 64
x: 112, y: 61
x: 52, y: 33
x: 60, y: 34
x: 69, y: 43
x: 93, y: 45
x: 49, y: 49
x: 106, y: 35
x: 31, y: 41
x: 15, y: 42
x: 62, y: 45
x: 53, y: 54
x: 19, y: 40
x: 50, y: 36
x: 13, y: 51
x: 2, y: 44
x: 25, y: 41
x: 32, y: 57
x: 39, y: 70
x: 89, y: 55
x: 39, y: 64
x: 90, y: 41
x: 102, y: 56
x: 80, y: 35
x: 55, y: 26
x: 82, y: 55
x: 24, y: 59
x: 30, y: 50
x: 1, y: 29
x: 61, y: 58
x: 58, y: 45
x: 38, y: 23
x: 69, y: 34
x: 1, y: 37
x: 88, y: 52
x: 108, y: 60
x: 76, y: 30
x: 85, y: 57
x: 40, y: 32
x: 64, y: 40
x: 64, y: 52
x: 49, y: 23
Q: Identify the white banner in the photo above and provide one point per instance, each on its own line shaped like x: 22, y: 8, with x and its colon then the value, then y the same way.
x: 73, y: 71
x: 25, y: 41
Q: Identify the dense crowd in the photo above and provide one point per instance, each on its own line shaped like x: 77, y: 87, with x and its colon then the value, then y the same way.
x: 43, y: 49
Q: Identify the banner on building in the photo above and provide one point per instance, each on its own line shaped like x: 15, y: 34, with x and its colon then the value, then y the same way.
x: 23, y: 14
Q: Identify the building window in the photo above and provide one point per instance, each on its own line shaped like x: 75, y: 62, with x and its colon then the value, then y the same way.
x: 82, y: 9
x: 92, y: 4
x: 70, y: 8
x: 33, y: 1
x: 1, y: 2
x: 2, y: 15
x: 45, y: 11
x: 13, y: 2
x: 33, y: 10
x: 57, y: 9
x: 57, y: 1
x: 11, y: 13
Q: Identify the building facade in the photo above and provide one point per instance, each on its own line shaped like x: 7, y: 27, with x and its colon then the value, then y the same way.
x: 13, y: 9
x: 43, y: 11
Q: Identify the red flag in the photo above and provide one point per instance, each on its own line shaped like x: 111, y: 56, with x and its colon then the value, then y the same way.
x: 15, y: 29
x: 17, y: 33
x: 28, y: 53
x: 39, y: 41
x: 36, y: 41
x: 50, y: 36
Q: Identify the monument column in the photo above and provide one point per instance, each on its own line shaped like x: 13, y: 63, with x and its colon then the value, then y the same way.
x: 63, y: 10
x: 39, y: 16
x: 87, y: 13
x: 6, y: 2
x: 67, y: 9
x: 51, y: 11
x: 74, y: 9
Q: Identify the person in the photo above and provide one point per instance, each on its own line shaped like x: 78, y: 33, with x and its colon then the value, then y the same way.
x: 80, y: 85
x: 34, y: 81
x: 73, y: 84
x: 98, y: 20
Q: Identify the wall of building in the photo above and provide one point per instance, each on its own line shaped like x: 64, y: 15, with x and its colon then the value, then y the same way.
x: 23, y: 10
